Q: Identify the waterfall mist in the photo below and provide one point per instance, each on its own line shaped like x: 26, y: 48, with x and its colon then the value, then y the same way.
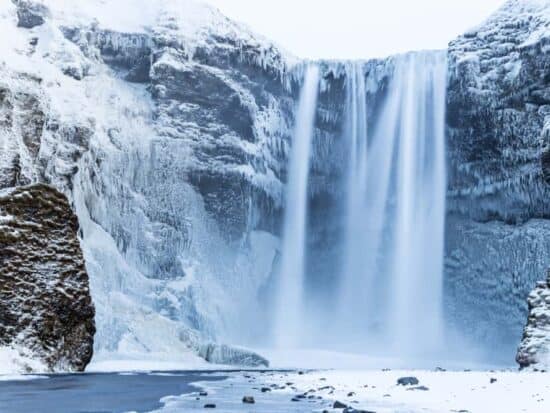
x: 289, y: 305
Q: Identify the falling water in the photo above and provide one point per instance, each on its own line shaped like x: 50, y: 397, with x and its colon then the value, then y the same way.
x: 354, y: 280
x: 391, y: 281
x: 289, y: 312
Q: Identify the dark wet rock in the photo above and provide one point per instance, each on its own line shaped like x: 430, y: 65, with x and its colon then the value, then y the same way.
x: 45, y: 305
x: 407, y: 381
x: 339, y: 405
x: 209, y: 406
x: 30, y: 13
x: 248, y: 400
x: 493, y: 380
x: 74, y: 71
x: 203, y: 393
x: 265, y: 389
x: 351, y: 394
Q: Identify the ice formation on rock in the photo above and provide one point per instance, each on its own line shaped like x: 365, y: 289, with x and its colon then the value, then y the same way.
x: 534, y: 349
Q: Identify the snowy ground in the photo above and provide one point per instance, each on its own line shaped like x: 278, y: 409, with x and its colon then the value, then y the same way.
x: 362, y: 383
x: 278, y: 391
x: 373, y: 391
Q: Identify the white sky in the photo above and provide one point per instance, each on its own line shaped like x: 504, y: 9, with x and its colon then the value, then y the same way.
x: 358, y: 28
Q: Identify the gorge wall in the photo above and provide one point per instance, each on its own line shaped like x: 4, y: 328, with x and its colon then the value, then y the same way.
x: 169, y: 132
x: 498, y: 121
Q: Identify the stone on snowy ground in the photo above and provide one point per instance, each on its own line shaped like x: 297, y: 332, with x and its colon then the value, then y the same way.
x: 534, y: 349
x: 248, y: 400
x: 339, y: 405
x: 46, y: 310
x: 407, y: 381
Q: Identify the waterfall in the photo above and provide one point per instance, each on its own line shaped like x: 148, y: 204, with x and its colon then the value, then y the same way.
x: 289, y: 311
x: 391, y: 283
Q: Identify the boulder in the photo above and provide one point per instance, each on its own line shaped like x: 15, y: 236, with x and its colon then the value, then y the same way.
x: 46, y: 311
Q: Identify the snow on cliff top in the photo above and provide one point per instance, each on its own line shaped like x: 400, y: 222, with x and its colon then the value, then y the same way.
x: 519, y: 13
x: 141, y: 15
x: 192, y: 20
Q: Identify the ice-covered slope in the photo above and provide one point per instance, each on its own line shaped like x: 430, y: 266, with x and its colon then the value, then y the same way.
x: 165, y: 128
x: 498, y: 239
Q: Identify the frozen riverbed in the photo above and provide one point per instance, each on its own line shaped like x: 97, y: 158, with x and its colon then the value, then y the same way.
x: 281, y: 391
x: 95, y: 392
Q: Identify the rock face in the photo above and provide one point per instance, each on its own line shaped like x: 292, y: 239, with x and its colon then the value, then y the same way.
x: 168, y: 135
x: 169, y: 132
x: 46, y: 310
x: 534, y: 350
x: 29, y: 13
x: 498, y: 118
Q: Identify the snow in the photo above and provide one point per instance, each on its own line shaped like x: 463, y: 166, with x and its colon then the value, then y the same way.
x: 448, y: 391
x: 150, y: 362
x: 193, y: 21
x: 13, y: 362
x: 372, y: 390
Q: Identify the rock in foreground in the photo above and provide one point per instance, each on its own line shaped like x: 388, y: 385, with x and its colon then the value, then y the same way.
x: 534, y: 349
x: 46, y: 312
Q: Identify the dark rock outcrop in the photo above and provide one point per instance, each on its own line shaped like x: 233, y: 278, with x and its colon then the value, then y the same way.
x: 498, y: 118
x: 30, y: 13
x: 534, y: 349
x: 407, y: 381
x: 45, y: 303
